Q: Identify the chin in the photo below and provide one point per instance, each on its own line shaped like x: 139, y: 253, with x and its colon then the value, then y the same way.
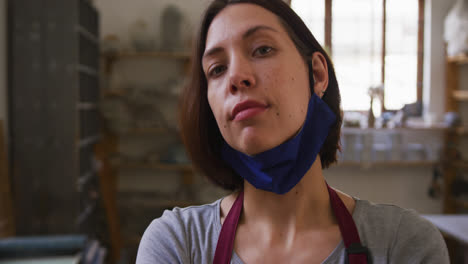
x: 255, y: 141
x: 254, y: 147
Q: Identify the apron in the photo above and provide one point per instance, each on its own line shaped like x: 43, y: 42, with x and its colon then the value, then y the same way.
x: 356, y: 253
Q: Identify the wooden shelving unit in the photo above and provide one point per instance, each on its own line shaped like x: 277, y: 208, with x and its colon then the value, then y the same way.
x: 460, y: 59
x: 56, y: 124
x: 452, y: 165
x: 110, y: 58
x: 134, y: 211
x: 149, y: 55
x: 157, y: 166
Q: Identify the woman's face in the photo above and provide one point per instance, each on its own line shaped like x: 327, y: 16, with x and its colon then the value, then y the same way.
x: 258, y: 83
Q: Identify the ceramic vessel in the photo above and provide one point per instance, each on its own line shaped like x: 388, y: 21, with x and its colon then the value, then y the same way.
x: 140, y: 37
x: 456, y: 29
x: 171, y: 29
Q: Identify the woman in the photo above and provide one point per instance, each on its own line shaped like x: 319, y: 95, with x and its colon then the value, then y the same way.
x: 261, y: 117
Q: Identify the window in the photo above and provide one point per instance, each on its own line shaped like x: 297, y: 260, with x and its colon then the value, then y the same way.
x: 371, y: 42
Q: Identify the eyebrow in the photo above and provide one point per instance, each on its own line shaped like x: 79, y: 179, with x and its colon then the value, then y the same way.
x: 247, y: 34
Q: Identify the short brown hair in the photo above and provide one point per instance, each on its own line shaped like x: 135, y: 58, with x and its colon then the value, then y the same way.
x: 199, y: 130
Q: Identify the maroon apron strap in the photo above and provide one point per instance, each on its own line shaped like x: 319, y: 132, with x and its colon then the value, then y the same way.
x: 228, y: 232
x: 356, y: 253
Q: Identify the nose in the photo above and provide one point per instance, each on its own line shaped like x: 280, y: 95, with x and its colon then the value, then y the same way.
x: 241, y: 75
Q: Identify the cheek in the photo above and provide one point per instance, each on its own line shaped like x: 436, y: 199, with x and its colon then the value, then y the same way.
x: 216, y: 105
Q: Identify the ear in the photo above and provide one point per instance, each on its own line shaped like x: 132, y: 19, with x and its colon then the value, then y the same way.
x: 320, y: 73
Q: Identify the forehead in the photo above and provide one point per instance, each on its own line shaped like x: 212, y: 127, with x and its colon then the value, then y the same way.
x: 233, y: 21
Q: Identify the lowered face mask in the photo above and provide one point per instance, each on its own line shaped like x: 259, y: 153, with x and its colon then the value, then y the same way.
x: 279, y: 169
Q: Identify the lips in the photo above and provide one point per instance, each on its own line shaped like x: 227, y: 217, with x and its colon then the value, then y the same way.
x: 247, y: 109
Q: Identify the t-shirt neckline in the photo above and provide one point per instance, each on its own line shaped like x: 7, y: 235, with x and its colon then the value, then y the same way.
x: 237, y: 260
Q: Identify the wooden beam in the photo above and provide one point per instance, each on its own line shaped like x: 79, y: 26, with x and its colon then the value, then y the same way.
x: 7, y: 223
x: 328, y: 26
x: 108, y: 187
x: 384, y: 47
x: 451, y: 85
x: 420, y: 76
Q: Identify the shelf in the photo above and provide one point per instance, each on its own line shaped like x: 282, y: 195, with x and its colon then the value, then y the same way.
x: 88, y: 35
x: 125, y: 92
x: 146, y: 131
x: 387, y: 164
x: 460, y: 95
x: 86, y: 106
x: 460, y: 164
x: 462, y: 203
x: 461, y: 131
x: 86, y: 213
x: 88, y: 141
x: 459, y: 59
x: 85, y: 178
x: 357, y: 130
x: 157, y: 166
x: 158, y: 203
x: 150, y: 54
x: 88, y: 70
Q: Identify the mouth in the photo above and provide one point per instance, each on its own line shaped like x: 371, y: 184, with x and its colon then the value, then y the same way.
x: 247, y: 109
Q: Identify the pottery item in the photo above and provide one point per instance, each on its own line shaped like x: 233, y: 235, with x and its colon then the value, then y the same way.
x: 456, y: 29
x: 140, y: 37
x: 171, y: 29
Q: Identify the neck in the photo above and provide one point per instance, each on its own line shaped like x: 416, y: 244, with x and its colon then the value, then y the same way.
x: 305, y: 207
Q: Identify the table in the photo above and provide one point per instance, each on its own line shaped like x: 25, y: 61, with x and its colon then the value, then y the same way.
x: 455, y: 226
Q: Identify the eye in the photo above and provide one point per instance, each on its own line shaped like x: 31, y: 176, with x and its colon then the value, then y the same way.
x: 263, y: 50
x: 216, y: 71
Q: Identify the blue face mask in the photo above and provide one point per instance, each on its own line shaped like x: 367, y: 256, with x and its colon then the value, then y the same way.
x: 279, y: 169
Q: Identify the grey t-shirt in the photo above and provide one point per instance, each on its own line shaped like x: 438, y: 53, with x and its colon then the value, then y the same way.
x: 392, y: 234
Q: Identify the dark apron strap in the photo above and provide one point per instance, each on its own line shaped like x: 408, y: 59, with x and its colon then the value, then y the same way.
x: 355, y: 252
x: 225, y: 244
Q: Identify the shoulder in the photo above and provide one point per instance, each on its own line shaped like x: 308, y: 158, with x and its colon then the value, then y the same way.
x: 171, y: 237
x: 402, y: 234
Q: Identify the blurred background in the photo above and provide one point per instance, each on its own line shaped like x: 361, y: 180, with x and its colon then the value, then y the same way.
x: 89, y: 145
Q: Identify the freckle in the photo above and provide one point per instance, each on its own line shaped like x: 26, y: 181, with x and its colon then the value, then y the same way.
x: 290, y: 116
x: 277, y: 114
x: 293, y: 78
x: 225, y: 126
x: 297, y: 192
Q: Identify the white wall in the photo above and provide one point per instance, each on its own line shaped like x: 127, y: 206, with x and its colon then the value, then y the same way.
x: 118, y: 15
x: 406, y: 187
x: 3, y: 64
x: 434, y: 57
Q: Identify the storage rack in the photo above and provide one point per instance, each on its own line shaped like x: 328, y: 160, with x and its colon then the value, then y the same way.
x: 53, y: 94
x: 145, y: 205
x: 453, y: 162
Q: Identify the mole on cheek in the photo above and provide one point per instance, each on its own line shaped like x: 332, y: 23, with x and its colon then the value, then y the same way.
x: 277, y: 113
